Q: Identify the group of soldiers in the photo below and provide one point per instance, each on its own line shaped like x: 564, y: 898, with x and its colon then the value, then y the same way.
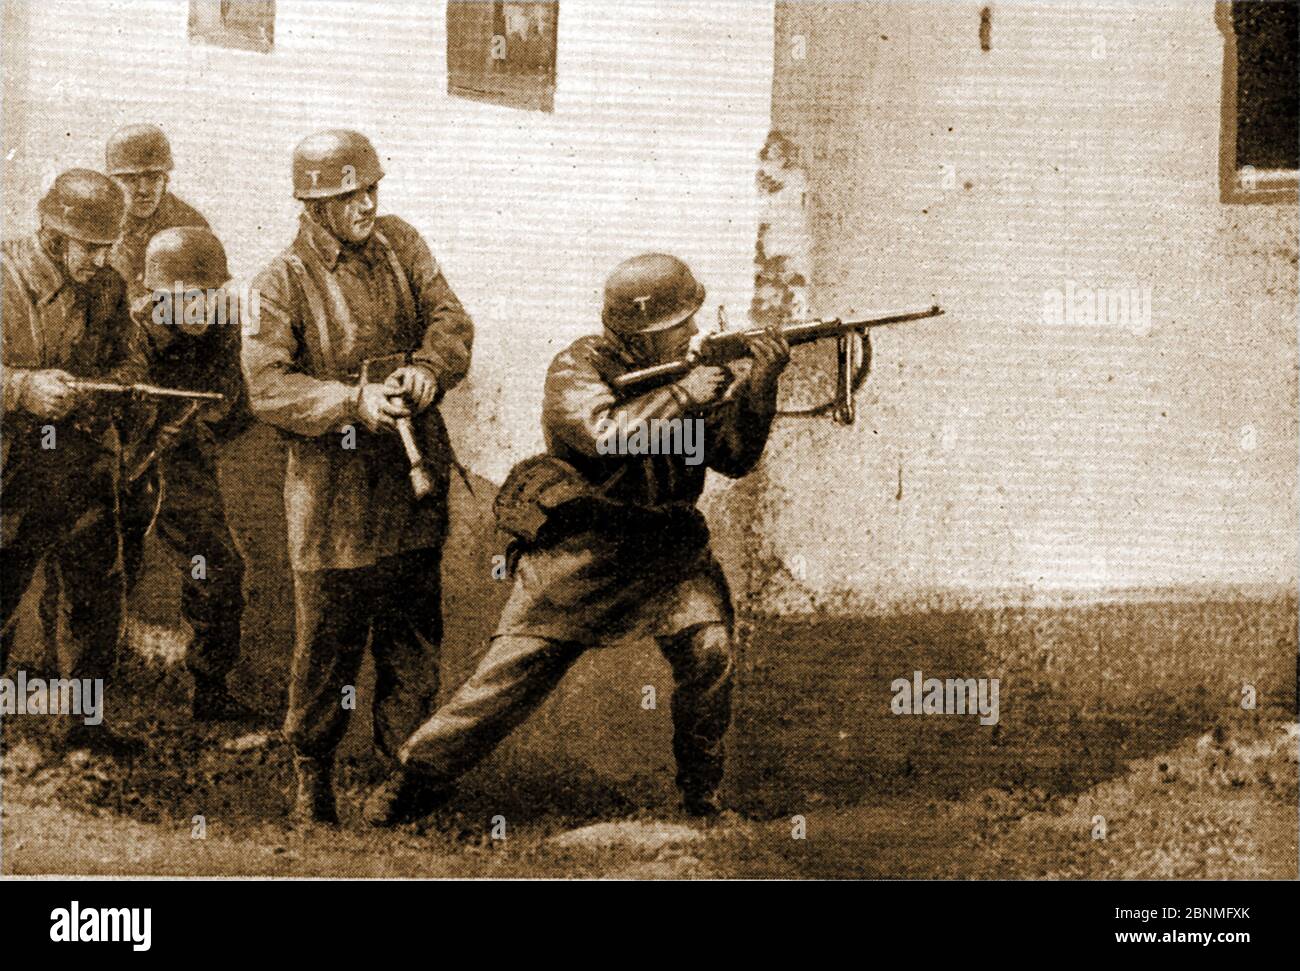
x: 614, y: 545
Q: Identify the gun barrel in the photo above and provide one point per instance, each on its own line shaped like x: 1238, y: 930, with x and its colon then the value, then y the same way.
x: 146, y: 390
x: 729, y: 346
x: 815, y: 330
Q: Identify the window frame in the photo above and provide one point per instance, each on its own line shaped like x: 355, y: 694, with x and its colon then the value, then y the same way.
x: 527, y: 92
x: 1243, y: 184
x: 224, y: 36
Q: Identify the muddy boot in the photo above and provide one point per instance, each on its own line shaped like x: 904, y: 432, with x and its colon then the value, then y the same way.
x: 701, y: 805
x: 212, y: 702
x: 314, y: 802
x: 402, y: 798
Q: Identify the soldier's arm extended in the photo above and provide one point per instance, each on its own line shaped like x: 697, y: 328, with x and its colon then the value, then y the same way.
x: 278, y: 391
x: 232, y: 416
x: 449, y: 332
x: 579, y: 405
x: 736, y: 432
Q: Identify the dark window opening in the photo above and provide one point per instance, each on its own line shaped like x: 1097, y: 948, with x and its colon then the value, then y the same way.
x: 242, y: 24
x: 1260, y: 148
x: 502, y: 52
x: 1268, y: 84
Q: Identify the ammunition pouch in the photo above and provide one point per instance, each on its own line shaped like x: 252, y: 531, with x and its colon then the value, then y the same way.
x: 545, y: 499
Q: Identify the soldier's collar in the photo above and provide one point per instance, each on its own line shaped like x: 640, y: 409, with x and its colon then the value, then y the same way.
x: 47, y: 276
x: 321, y: 240
x: 329, y: 248
x: 619, y: 349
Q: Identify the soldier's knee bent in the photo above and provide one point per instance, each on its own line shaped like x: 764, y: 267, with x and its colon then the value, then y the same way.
x: 711, y: 655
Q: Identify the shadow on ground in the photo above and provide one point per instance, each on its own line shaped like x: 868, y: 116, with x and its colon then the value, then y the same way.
x: 1084, y: 690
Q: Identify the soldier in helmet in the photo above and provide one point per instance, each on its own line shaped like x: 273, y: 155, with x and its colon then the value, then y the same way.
x: 192, y: 325
x: 634, y: 559
x: 191, y: 519
x: 65, y: 316
x: 139, y: 159
x: 366, y: 555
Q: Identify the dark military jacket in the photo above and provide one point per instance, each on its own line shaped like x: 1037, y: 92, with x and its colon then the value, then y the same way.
x: 580, y: 405
x: 324, y: 309
x: 127, y: 255
x: 49, y: 321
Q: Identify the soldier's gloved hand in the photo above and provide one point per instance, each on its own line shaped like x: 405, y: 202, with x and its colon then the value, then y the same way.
x: 771, y: 354
x: 705, y: 384
x: 416, y: 383
x: 379, y: 409
x: 49, y: 393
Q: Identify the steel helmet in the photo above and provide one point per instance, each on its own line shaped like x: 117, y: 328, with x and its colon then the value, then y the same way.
x: 650, y: 292
x: 86, y: 205
x: 333, y: 162
x: 189, y: 255
x: 136, y: 149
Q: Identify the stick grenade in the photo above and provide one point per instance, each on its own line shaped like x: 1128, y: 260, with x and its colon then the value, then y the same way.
x: 421, y: 480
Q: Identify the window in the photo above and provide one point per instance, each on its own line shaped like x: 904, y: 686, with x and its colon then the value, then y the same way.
x: 1260, y: 142
x: 244, y: 24
x: 502, y: 52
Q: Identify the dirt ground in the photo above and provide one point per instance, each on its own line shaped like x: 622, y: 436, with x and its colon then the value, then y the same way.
x: 1219, y: 805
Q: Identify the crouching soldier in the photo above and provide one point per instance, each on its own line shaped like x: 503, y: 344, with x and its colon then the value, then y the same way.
x: 192, y: 324
x: 64, y: 317
x: 611, y: 544
x: 366, y: 555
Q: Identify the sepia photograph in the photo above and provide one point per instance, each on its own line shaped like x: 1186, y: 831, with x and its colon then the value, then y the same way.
x: 644, y: 440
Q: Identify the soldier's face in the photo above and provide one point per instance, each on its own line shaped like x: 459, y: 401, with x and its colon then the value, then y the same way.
x: 81, y: 260
x: 143, y: 191
x: 665, y: 345
x: 190, y: 310
x: 351, y: 217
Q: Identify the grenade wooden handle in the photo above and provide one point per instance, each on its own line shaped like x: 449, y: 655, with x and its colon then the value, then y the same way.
x: 421, y: 481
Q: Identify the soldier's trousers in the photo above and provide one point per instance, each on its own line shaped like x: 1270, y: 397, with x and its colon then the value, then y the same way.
x: 396, y: 605
x: 517, y: 674
x: 72, y: 519
x: 192, y: 523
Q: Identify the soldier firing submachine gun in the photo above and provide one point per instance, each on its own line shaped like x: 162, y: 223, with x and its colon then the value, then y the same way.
x: 851, y: 348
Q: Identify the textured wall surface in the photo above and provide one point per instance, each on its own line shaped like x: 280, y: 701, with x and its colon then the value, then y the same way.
x: 526, y: 211
x: 995, y: 452
x: 1005, y: 477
